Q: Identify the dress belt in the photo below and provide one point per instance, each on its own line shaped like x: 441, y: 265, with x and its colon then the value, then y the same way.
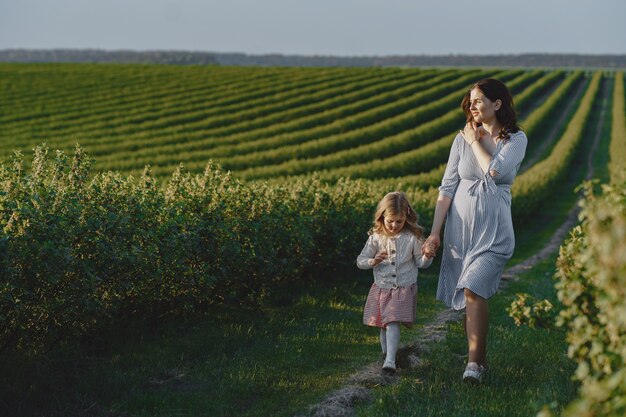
x: 483, y: 185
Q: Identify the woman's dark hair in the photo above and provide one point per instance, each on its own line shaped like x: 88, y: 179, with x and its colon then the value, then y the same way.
x: 495, y: 90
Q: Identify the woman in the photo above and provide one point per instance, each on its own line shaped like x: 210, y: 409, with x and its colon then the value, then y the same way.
x: 475, y: 201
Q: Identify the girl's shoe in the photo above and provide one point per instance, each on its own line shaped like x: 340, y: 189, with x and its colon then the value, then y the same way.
x: 474, y: 373
x: 389, y: 366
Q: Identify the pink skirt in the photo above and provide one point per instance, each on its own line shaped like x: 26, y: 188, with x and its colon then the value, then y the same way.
x: 386, y: 305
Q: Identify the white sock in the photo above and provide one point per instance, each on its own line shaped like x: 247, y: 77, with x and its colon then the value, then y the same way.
x: 383, y: 339
x: 393, y: 340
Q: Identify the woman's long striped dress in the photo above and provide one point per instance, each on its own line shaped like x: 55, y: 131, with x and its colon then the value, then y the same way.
x: 478, y: 238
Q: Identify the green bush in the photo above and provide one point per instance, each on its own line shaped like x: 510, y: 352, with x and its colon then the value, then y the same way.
x: 527, y: 310
x: 78, y: 253
x: 592, y: 288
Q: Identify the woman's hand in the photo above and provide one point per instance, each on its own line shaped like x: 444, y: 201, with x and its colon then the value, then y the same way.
x: 380, y: 256
x: 431, y: 245
x: 472, y: 132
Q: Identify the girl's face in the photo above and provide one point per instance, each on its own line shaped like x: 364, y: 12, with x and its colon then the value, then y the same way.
x: 483, y: 110
x: 394, y: 223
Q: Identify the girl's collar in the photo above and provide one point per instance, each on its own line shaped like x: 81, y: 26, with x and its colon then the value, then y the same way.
x: 401, y: 232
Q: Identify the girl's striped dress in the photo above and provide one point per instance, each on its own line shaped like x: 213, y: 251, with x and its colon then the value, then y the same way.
x: 478, y: 238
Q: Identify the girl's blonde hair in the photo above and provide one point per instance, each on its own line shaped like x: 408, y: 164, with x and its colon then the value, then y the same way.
x: 396, y: 203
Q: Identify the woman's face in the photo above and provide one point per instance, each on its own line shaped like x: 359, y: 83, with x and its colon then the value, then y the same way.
x: 483, y: 110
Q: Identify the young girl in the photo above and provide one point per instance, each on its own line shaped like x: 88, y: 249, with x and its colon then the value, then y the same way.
x: 394, y: 251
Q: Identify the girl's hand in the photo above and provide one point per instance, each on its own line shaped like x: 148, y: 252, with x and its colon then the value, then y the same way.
x: 430, y: 246
x: 472, y: 132
x: 380, y: 256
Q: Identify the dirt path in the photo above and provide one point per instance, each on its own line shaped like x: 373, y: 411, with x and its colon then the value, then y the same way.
x: 340, y: 403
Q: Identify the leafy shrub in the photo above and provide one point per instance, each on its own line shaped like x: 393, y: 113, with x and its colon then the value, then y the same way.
x: 592, y: 287
x: 78, y: 253
x: 527, y: 310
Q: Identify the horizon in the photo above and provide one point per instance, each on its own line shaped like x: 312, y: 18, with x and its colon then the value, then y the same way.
x: 307, y: 55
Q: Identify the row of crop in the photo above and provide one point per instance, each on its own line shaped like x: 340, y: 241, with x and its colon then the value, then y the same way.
x: 332, y: 105
x: 333, y: 108
x: 426, y: 96
x: 119, y: 136
x: 431, y: 155
x: 144, y: 116
x: 555, y: 108
x: 617, y: 149
x: 365, y: 111
x: 115, y: 101
x: 591, y: 278
x: 262, y: 120
x: 52, y: 87
x: 438, y: 151
x: 435, y: 151
x: 78, y: 255
x: 202, y: 99
x: 67, y: 96
x: 432, y: 178
x: 135, y: 144
x: 195, y: 94
x: 24, y: 85
x: 75, y: 94
x: 11, y: 140
x: 381, y: 140
x: 535, y: 185
x: 366, y: 127
x: 92, y: 104
x: 280, y: 107
x: 152, y: 138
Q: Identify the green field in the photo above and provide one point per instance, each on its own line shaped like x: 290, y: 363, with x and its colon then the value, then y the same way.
x: 192, y: 291
x: 259, y: 123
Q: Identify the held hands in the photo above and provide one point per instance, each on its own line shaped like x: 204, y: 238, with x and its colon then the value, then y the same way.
x: 472, y: 132
x: 380, y: 256
x: 430, y: 246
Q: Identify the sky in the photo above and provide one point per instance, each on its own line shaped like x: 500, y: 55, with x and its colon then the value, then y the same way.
x: 319, y: 27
